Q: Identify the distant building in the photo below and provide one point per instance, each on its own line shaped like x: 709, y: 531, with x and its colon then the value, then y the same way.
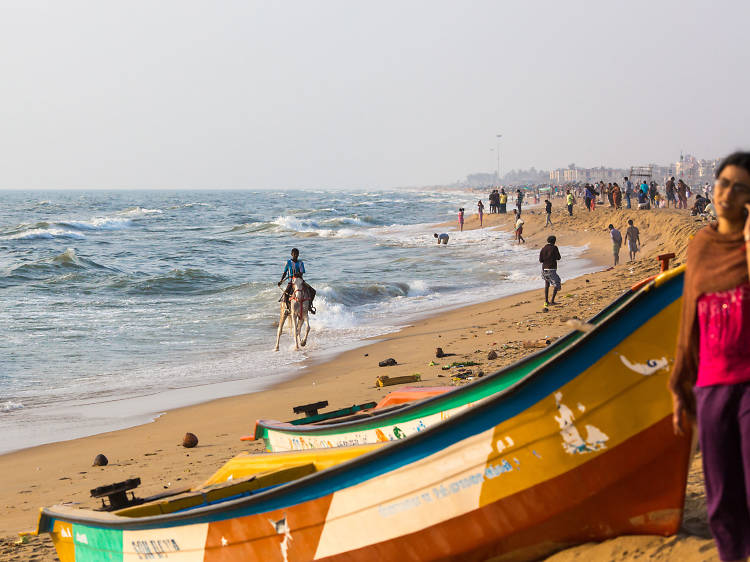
x: 689, y: 168
x: 695, y: 171
x: 582, y: 175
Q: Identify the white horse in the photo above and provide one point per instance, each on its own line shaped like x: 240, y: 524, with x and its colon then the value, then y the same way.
x: 299, y: 303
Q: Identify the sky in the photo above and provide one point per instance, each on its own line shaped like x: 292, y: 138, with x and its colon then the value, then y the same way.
x: 353, y: 94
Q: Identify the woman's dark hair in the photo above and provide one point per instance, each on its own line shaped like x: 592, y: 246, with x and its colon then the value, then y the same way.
x: 295, y: 251
x: 551, y: 240
x: 739, y: 159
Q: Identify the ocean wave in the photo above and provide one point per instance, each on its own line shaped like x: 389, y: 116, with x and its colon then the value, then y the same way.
x: 101, y: 223
x: 252, y: 227
x: 61, y: 263
x: 358, y: 294
x: 342, y: 227
x: 178, y: 281
x: 46, y: 234
x: 356, y: 221
x: 10, y: 406
x: 140, y: 211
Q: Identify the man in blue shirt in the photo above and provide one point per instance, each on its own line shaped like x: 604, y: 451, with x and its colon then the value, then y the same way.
x: 295, y: 267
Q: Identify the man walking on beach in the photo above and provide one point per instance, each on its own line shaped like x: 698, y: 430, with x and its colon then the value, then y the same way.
x: 519, y: 200
x: 628, y: 191
x: 632, y: 237
x: 616, y: 242
x: 570, y: 201
x: 548, y: 211
x: 549, y: 257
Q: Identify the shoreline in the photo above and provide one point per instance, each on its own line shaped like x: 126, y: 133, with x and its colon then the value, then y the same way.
x: 163, y: 402
x: 62, y: 471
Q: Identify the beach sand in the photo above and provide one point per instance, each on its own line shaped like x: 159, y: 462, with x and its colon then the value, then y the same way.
x: 63, y: 471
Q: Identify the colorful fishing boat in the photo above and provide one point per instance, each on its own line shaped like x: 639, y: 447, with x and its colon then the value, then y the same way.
x: 408, y: 419
x: 580, y: 449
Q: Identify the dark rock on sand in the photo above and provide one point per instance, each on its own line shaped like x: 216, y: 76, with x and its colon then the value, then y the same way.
x: 439, y: 352
x: 100, y: 460
x: 190, y: 440
x: 388, y: 362
x: 492, y: 355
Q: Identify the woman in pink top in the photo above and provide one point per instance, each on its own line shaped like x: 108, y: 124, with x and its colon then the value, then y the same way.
x: 461, y: 219
x: 711, y: 374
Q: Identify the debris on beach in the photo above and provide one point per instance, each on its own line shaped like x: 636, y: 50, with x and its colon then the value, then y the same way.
x: 439, y: 352
x: 387, y: 362
x: 577, y: 324
x: 537, y: 343
x: 492, y: 355
x: 189, y: 441
x: 385, y: 380
x: 100, y: 460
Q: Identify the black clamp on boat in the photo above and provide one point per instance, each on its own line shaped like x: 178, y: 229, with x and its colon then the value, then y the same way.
x: 117, y: 494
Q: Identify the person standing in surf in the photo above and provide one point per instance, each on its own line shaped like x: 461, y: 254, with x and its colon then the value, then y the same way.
x: 295, y: 267
x: 519, y: 227
x: 480, y: 212
x: 461, y: 219
x: 710, y: 379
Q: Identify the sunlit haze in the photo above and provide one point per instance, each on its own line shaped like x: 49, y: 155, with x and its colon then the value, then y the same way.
x: 319, y: 94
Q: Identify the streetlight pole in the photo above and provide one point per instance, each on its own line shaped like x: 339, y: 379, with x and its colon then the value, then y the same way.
x: 498, y: 137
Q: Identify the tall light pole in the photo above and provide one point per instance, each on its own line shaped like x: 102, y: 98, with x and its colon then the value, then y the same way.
x: 498, y: 137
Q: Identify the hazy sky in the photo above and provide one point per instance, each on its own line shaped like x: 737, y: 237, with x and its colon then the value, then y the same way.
x: 360, y: 94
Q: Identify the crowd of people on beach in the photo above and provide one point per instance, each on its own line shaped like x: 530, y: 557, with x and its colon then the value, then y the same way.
x: 710, y: 381
x: 645, y: 195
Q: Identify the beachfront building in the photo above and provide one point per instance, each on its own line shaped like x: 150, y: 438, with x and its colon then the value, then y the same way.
x: 689, y: 168
x: 574, y: 174
x: 694, y: 171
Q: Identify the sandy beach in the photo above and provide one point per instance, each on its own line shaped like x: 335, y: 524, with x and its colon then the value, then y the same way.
x: 63, y: 471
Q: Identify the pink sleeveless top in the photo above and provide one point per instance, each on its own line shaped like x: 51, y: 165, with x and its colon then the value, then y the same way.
x: 724, y: 349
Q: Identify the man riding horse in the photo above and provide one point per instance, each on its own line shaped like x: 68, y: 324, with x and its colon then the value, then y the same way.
x: 295, y: 267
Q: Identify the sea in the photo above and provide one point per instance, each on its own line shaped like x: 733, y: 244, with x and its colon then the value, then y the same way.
x: 118, y: 305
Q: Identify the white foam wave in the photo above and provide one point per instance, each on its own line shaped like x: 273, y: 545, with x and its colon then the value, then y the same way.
x: 357, y: 221
x: 46, y: 233
x: 333, y: 315
x: 293, y: 223
x: 418, y: 288
x: 140, y: 211
x: 100, y: 223
x: 10, y: 406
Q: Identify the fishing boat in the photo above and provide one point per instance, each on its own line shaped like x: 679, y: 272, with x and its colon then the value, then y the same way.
x: 398, y: 421
x: 580, y: 449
